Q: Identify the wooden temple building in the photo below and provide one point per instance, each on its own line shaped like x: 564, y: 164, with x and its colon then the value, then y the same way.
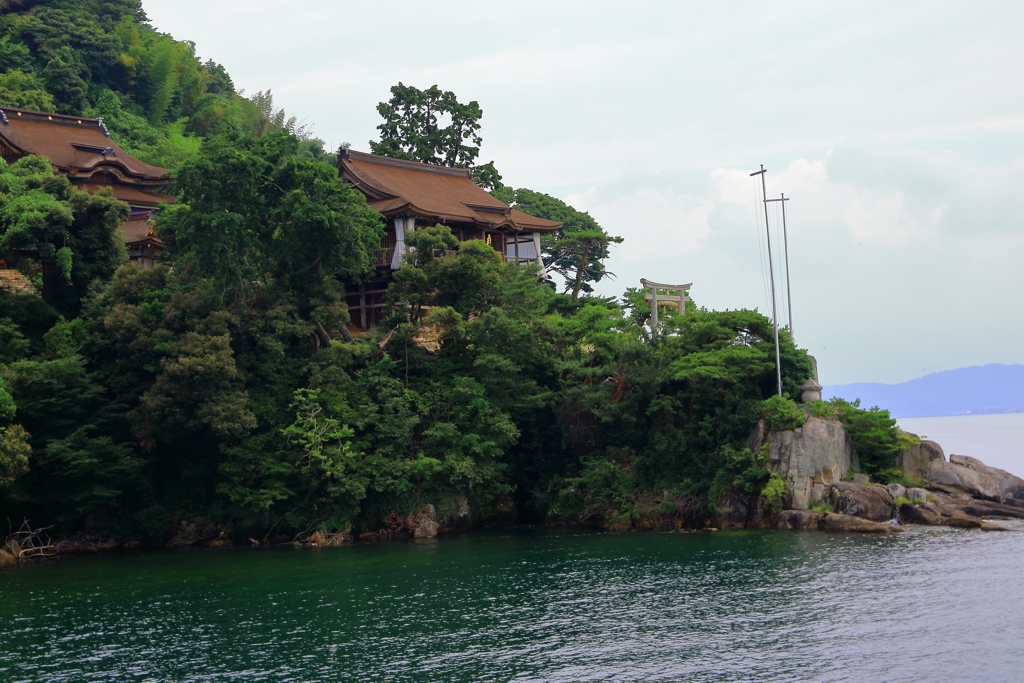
x: 412, y: 195
x: 81, y: 148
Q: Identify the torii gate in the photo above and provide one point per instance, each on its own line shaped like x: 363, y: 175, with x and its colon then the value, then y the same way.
x: 675, y: 295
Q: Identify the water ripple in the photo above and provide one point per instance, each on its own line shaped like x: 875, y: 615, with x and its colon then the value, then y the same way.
x: 531, y: 605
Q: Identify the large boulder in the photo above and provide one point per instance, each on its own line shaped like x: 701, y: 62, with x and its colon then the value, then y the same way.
x: 732, y: 512
x: 914, y: 460
x: 816, y: 453
x: 798, y: 519
x: 920, y: 514
x: 972, y: 477
x: 7, y: 558
x: 833, y: 522
x: 860, y: 500
x: 828, y: 521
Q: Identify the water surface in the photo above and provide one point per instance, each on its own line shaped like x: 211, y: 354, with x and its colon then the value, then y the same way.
x: 531, y: 605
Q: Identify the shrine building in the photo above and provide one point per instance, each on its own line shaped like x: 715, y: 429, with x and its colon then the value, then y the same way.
x: 81, y: 148
x: 414, y: 195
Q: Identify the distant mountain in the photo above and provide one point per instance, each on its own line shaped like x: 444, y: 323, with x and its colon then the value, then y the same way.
x: 975, y: 390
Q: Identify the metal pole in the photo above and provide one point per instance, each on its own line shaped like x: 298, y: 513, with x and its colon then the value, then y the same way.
x: 771, y: 272
x: 785, y: 240
x: 789, y: 292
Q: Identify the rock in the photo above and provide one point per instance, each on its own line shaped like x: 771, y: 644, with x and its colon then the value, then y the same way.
x: 219, y: 543
x: 425, y: 525
x: 818, y: 493
x: 967, y: 475
x: 616, y: 525
x: 810, y: 391
x: 368, y: 536
x: 896, y: 491
x: 12, y: 547
x: 914, y: 460
x: 7, y: 559
x: 833, y: 522
x: 963, y: 522
x: 984, y: 508
x: 859, y: 500
x: 797, y: 519
x: 132, y: 545
x: 990, y: 526
x: 861, y: 479
x: 732, y: 512
x: 914, y: 514
x: 816, y: 453
x: 917, y: 495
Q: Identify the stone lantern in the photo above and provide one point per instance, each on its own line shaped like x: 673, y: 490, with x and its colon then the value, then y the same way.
x: 810, y: 391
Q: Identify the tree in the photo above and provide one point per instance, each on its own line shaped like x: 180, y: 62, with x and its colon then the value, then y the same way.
x: 577, y: 251
x: 250, y: 213
x: 413, y: 130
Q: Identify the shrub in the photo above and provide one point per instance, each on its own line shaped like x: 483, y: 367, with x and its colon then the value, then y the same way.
x: 773, y: 493
x: 823, y: 507
x: 781, y: 414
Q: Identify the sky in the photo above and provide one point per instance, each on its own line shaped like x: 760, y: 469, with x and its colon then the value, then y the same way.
x: 896, y: 130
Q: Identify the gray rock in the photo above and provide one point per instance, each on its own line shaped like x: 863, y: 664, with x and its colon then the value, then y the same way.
x: 798, y: 519
x: 833, y: 522
x: 859, y: 500
x: 861, y: 479
x: 919, y: 514
x: 984, y: 508
x: 896, y: 491
x: 917, y: 495
x: 818, y: 493
x: 732, y: 512
x: 970, y: 476
x: 816, y: 453
x: 914, y: 460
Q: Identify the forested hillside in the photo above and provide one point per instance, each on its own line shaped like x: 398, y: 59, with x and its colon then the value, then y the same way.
x: 100, y: 58
x: 221, y: 389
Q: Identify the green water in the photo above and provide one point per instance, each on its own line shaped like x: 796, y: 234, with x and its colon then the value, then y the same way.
x: 531, y: 605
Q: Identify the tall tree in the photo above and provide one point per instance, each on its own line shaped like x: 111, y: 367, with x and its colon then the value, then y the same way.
x: 414, y: 129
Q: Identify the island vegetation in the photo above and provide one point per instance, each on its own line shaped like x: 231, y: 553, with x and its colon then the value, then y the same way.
x: 221, y: 390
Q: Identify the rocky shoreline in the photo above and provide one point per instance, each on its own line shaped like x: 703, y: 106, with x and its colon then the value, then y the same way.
x: 823, y: 493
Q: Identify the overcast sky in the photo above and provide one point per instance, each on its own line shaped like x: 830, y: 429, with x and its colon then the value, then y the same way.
x: 896, y: 128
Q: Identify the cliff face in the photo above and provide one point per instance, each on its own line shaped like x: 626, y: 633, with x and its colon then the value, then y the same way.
x: 815, y: 458
x: 811, y: 458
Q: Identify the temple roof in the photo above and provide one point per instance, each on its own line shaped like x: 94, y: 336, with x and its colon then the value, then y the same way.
x: 129, y: 194
x: 76, y: 145
x: 396, y: 186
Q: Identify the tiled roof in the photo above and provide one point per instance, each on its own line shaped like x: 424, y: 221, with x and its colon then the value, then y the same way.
x: 74, y: 144
x: 395, y: 186
x: 129, y: 194
x: 138, y: 230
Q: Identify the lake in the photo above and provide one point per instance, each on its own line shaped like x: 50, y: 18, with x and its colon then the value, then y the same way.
x: 528, y: 604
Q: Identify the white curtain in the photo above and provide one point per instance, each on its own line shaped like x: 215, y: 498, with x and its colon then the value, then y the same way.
x: 528, y: 247
x: 402, y: 224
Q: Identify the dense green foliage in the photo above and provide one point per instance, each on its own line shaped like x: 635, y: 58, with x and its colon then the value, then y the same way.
x: 873, y: 434
x: 102, y: 58
x: 222, y: 388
